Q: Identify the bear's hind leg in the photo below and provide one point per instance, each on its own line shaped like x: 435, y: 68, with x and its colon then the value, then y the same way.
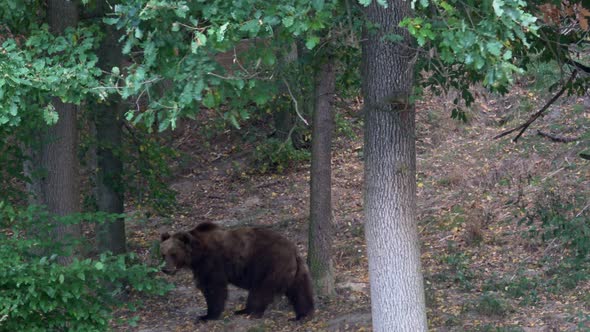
x: 258, y: 300
x: 302, y: 302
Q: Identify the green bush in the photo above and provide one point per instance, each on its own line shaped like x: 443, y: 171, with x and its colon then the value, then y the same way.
x: 39, y: 294
x: 561, y: 218
x: 276, y: 155
x: 524, y: 288
x: 490, y: 304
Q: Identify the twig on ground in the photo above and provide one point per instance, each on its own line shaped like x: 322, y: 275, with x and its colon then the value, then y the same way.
x: 557, y: 138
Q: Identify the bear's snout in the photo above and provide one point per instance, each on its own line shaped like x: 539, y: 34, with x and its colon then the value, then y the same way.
x: 169, y: 271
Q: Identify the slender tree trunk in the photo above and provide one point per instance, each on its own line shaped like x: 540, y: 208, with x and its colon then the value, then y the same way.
x: 110, y: 235
x: 284, y: 115
x: 320, y: 226
x: 59, y: 187
x: 397, y: 292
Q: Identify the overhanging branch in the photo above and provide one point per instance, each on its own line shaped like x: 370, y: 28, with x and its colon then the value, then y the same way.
x: 578, y: 65
x: 523, y: 127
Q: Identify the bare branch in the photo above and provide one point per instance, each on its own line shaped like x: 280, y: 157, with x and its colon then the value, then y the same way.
x: 578, y: 65
x: 535, y: 116
x: 295, y: 104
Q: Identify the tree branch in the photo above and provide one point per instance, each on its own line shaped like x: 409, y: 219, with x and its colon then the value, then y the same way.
x: 295, y: 105
x: 535, y: 116
x: 578, y: 65
x: 557, y: 138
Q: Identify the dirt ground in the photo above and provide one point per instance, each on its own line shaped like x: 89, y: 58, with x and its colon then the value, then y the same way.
x: 472, y: 191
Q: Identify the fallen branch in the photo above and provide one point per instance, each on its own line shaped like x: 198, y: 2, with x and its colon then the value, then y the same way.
x: 557, y: 138
x: 535, y: 116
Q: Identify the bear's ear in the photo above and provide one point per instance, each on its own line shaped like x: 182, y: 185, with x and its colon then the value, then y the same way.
x: 164, y: 236
x: 184, y: 237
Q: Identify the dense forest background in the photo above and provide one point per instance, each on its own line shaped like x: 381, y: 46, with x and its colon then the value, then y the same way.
x: 430, y: 158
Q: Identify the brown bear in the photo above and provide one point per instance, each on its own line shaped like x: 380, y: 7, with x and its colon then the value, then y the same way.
x: 257, y: 259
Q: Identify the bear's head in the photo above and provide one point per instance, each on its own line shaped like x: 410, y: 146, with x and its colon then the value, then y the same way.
x: 176, y: 251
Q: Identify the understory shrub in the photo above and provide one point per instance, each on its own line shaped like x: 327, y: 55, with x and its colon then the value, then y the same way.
x: 563, y: 218
x: 277, y: 155
x: 39, y: 294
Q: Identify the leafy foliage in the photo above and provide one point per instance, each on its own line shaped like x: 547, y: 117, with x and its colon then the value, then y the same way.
x: 42, y: 66
x: 492, y: 305
x: 179, y: 43
x: 39, y: 294
x: 523, y: 287
x: 472, y: 41
x: 563, y: 219
x: 147, y: 170
x: 276, y: 155
x: 492, y: 41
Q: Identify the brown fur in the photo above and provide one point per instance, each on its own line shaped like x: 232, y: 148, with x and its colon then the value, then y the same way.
x: 257, y: 259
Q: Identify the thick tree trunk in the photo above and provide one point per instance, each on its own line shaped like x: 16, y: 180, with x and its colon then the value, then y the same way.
x: 59, y: 188
x: 110, y: 235
x: 320, y: 226
x: 397, y: 292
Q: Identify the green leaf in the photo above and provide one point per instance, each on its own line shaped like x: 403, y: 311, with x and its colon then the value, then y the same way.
x: 201, y: 38
x: 252, y: 27
x: 234, y: 121
x: 317, y: 4
x: 209, y: 100
x: 13, y: 109
x: 288, y: 21
x: 221, y: 32
x: 268, y: 58
x: 50, y: 115
x: 494, y: 47
x: 99, y: 265
x: 498, y: 4
x: 61, y: 278
x: 164, y: 124
x: 138, y: 33
x: 365, y: 3
x: 181, y: 10
x: 311, y: 42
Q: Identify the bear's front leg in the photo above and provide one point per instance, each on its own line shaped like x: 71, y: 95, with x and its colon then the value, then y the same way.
x: 215, y: 296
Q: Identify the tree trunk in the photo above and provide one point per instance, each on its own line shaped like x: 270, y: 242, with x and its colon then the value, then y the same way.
x: 397, y: 290
x: 110, y: 235
x: 320, y: 226
x: 284, y: 113
x: 58, y: 189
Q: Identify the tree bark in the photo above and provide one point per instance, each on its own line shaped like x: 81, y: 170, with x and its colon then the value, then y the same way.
x: 284, y: 114
x: 110, y: 235
x: 59, y: 189
x: 320, y: 226
x: 397, y: 291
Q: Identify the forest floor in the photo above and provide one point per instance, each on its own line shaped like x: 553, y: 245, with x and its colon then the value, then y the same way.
x: 484, y: 270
